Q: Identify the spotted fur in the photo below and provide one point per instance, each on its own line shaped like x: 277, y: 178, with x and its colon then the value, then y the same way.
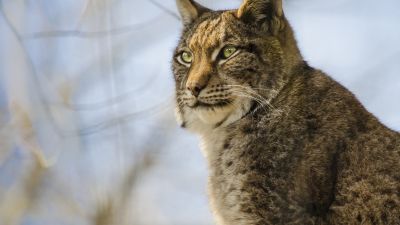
x: 285, y: 143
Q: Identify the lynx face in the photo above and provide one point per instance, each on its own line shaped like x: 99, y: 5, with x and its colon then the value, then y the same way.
x: 220, y: 64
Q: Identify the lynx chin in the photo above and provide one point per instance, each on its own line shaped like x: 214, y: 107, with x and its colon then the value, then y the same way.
x: 285, y: 143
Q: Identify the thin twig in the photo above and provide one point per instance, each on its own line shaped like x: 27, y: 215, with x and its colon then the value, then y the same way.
x: 91, y: 34
x: 125, y: 118
x: 103, y: 33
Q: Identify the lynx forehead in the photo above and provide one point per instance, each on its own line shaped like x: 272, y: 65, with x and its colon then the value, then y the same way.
x: 208, y: 34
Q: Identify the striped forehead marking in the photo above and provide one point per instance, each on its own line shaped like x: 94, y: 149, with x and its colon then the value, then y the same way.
x: 208, y: 34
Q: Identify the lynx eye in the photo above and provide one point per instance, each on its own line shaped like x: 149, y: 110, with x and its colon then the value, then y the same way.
x: 228, y: 51
x: 187, y: 57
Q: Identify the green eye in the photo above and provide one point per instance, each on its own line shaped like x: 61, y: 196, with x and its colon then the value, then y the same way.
x: 187, y: 57
x: 228, y: 51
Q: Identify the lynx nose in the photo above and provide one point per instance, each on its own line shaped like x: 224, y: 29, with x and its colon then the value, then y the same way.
x: 195, y: 89
x: 199, y: 77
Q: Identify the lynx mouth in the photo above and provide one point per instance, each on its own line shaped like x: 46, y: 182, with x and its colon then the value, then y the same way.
x: 204, y: 105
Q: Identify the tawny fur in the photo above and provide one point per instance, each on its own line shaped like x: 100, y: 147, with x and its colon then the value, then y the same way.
x: 285, y: 143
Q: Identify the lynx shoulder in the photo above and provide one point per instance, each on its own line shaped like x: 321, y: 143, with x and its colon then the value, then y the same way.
x: 285, y: 143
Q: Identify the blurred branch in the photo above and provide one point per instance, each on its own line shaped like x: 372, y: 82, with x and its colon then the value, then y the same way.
x: 6, y: 136
x: 105, y: 213
x: 125, y: 118
x: 114, y: 209
x: 101, y: 34
x: 32, y: 66
x: 65, y: 92
x: 46, y: 104
x: 19, y: 200
x: 23, y: 125
x: 90, y: 34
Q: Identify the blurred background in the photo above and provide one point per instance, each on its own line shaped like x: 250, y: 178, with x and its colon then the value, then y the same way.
x: 87, y: 132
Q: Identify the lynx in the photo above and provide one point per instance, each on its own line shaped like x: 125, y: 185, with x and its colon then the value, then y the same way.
x: 285, y: 143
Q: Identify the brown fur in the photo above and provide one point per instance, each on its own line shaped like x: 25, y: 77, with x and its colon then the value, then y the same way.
x: 285, y: 143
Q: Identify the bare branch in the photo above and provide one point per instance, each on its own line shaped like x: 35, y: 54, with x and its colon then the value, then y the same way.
x: 32, y: 66
x: 112, y: 122
x: 19, y: 200
x: 91, y: 34
x: 104, y: 33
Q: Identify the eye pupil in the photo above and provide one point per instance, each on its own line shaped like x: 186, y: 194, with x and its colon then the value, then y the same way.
x: 228, y: 52
x: 187, y: 57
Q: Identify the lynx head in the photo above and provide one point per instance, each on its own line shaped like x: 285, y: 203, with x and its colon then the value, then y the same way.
x: 228, y: 62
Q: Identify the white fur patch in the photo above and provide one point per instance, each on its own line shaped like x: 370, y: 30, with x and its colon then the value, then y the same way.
x: 204, y: 120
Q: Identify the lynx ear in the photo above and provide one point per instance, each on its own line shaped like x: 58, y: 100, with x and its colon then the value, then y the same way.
x: 265, y: 12
x: 190, y: 10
